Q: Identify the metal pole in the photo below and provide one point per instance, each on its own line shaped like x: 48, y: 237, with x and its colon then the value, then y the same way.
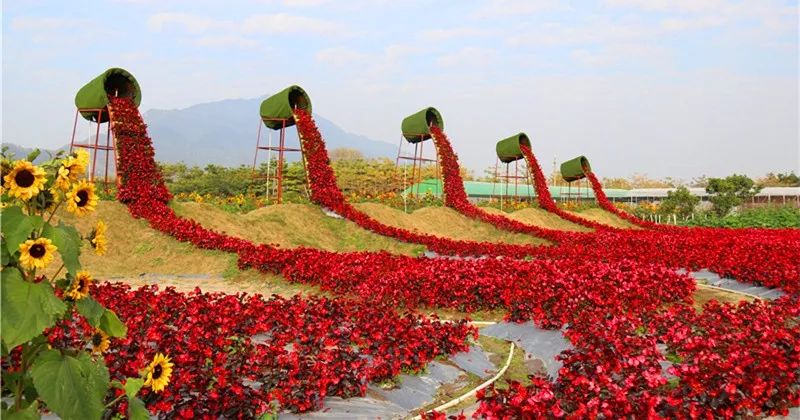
x: 96, y: 144
x: 108, y: 151
x: 280, y: 162
x: 74, y: 127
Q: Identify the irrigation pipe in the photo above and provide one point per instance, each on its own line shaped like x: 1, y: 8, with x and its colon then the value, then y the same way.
x: 722, y: 289
x: 502, y: 371
x: 469, y: 394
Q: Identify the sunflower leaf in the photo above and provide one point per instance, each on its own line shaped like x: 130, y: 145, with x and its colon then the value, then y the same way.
x: 137, y: 410
x: 132, y: 387
x: 29, y: 413
x: 33, y: 155
x: 91, y: 310
x: 68, y: 241
x: 74, y: 387
x: 27, y: 308
x: 17, y: 227
x: 111, y: 325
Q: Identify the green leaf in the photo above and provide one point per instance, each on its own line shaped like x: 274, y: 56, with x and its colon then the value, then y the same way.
x: 27, y: 308
x: 5, y: 256
x: 33, y: 155
x: 73, y: 387
x: 91, y: 310
x: 132, y: 387
x: 111, y: 325
x: 17, y: 227
x: 29, y: 413
x: 68, y: 241
x: 137, y: 410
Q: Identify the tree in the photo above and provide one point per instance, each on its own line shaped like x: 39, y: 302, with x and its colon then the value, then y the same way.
x: 680, y: 202
x: 789, y: 179
x: 730, y: 192
x: 345, y: 153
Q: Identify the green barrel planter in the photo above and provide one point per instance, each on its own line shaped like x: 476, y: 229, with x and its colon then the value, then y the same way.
x: 281, y: 104
x: 575, y: 169
x: 115, y: 82
x: 508, y: 149
x: 416, y: 127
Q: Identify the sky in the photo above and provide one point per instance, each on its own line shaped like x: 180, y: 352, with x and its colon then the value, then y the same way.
x: 677, y: 88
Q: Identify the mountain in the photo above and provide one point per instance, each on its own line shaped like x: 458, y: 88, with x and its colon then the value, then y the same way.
x: 21, y: 152
x: 224, y: 133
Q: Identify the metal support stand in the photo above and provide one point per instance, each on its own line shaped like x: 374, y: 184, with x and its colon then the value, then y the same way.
x: 507, y: 178
x: 418, y: 160
x: 109, y: 147
x: 281, y: 148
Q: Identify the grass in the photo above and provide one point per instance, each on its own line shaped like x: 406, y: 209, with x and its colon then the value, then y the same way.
x: 603, y: 217
x: 444, y: 222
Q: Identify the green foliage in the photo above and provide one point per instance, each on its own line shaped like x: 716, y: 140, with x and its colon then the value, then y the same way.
x: 28, y: 308
x: 65, y: 380
x: 680, y: 202
x: 74, y: 387
x: 789, y: 179
x: 763, y: 217
x: 730, y: 192
x: 68, y: 241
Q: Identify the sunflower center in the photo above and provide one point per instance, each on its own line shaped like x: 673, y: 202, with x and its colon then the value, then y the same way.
x: 24, y: 178
x: 37, y: 251
x: 97, y: 339
x: 83, y: 198
x: 157, y: 371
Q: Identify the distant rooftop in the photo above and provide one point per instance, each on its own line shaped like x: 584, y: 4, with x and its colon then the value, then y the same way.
x: 477, y: 189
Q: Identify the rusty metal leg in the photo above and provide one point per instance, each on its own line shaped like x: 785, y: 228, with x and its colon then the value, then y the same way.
x: 96, y: 144
x: 74, y: 129
x: 108, y: 151
x: 280, y: 163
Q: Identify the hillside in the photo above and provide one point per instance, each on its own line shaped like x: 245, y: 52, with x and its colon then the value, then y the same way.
x: 205, y: 128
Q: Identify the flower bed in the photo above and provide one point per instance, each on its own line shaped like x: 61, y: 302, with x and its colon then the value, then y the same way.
x: 729, y: 360
x: 235, y: 354
x: 607, y: 286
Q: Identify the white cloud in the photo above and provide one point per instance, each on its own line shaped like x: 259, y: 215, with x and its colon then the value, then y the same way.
x: 471, y: 56
x: 192, y: 24
x: 452, y: 33
x: 304, y: 3
x: 33, y: 23
x: 225, y: 41
x: 496, y: 8
x: 340, y: 57
x: 286, y: 23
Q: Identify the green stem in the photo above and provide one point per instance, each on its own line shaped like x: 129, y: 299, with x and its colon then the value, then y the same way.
x: 55, y: 276
x: 54, y: 210
x: 114, y: 401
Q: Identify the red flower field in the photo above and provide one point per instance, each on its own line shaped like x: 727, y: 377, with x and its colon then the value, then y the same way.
x: 617, y: 291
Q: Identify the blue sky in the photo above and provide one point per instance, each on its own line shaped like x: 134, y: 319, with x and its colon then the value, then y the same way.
x: 680, y: 88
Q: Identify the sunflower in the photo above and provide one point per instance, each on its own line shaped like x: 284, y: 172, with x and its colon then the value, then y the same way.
x: 79, y: 288
x: 158, y: 373
x: 25, y: 180
x: 100, y: 342
x: 82, y: 199
x: 71, y: 169
x: 36, y: 253
x: 97, y: 239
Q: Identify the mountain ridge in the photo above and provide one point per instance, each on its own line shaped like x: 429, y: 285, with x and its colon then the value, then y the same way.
x: 224, y: 133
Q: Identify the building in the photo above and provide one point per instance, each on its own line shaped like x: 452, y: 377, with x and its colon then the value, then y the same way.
x: 477, y: 191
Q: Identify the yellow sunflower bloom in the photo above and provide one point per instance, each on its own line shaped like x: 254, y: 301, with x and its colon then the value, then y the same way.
x: 97, y: 239
x: 25, y: 180
x: 72, y: 169
x: 81, y: 200
x: 100, y: 342
x: 79, y: 288
x: 36, y: 253
x: 158, y: 373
